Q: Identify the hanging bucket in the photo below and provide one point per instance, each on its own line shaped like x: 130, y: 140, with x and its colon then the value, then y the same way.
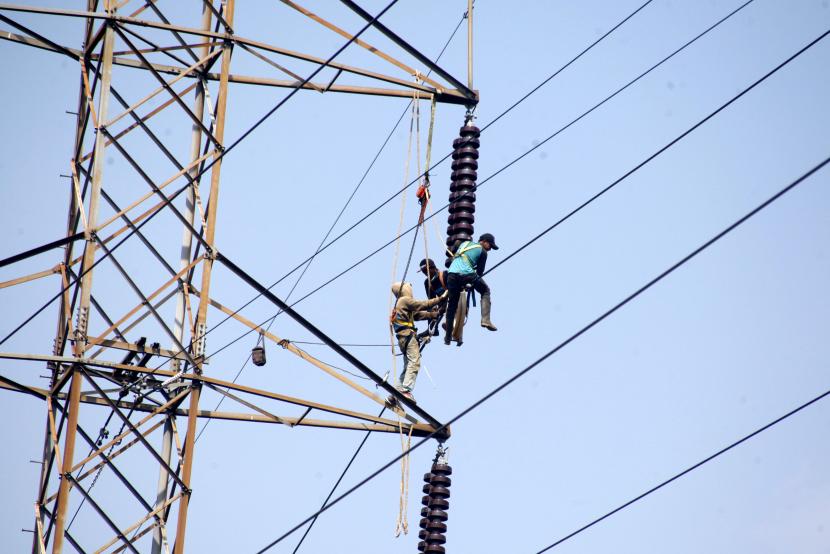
x: 258, y: 355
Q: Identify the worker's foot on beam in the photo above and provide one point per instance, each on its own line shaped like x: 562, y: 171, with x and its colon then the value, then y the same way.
x: 408, y: 395
x: 489, y: 325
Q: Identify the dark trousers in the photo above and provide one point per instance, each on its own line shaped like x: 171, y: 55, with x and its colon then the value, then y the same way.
x: 455, y: 285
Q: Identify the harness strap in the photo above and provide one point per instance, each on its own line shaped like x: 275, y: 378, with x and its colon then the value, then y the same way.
x: 462, y: 252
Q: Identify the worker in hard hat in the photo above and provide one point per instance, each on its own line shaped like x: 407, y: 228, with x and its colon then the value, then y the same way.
x: 407, y: 311
x: 435, y: 285
x: 467, y: 267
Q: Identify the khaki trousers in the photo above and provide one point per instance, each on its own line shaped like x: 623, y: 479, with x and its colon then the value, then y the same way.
x: 411, y: 361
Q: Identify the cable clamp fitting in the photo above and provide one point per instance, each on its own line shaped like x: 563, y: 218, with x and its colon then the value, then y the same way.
x: 470, y: 115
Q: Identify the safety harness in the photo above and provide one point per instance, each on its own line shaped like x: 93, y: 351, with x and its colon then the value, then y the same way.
x: 463, y: 249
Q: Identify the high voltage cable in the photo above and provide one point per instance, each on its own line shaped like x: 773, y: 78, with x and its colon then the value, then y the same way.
x: 336, y: 484
x: 569, y: 340
x: 515, y: 160
x: 637, y: 293
x: 439, y: 162
x: 686, y: 471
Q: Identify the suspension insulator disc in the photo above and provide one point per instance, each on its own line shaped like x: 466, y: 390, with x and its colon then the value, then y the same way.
x: 423, y: 534
x: 439, y: 492
x: 462, y: 227
x: 463, y: 184
x: 462, y: 206
x: 463, y: 142
x: 422, y: 546
x: 463, y: 196
x: 461, y: 217
x: 425, y: 500
x: 425, y: 512
x: 438, y: 515
x: 436, y: 526
x: 464, y: 173
x: 437, y: 503
x: 441, y: 481
x: 442, y: 469
x: 466, y: 152
x: 436, y: 538
x: 434, y: 549
x: 464, y: 163
x: 428, y: 477
x: 460, y: 237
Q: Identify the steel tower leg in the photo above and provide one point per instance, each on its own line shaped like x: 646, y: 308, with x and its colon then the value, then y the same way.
x: 159, y: 535
x: 86, y: 290
x: 201, y: 316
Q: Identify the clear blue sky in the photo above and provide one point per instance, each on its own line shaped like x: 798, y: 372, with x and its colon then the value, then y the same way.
x: 731, y: 341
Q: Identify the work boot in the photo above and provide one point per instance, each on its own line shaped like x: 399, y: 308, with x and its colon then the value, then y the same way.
x: 447, y: 339
x: 485, y: 314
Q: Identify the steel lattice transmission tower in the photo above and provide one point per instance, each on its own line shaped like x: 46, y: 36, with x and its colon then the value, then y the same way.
x: 135, y: 65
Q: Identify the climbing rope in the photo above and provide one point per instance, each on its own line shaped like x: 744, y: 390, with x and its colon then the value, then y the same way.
x: 402, y: 523
x: 392, y: 298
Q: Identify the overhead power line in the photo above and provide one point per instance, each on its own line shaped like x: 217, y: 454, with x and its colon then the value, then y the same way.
x: 417, y: 179
x: 694, y: 253
x: 503, y: 168
x: 322, y: 242
x: 686, y: 471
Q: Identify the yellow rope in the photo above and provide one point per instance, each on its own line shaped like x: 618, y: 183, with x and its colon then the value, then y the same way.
x: 429, y: 136
x: 402, y: 524
x: 428, y: 196
x: 400, y: 228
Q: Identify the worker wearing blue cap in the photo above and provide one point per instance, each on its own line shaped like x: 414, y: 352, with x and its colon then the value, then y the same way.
x: 467, y: 267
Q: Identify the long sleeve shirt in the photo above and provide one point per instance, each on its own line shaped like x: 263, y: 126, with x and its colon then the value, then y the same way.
x: 407, y: 310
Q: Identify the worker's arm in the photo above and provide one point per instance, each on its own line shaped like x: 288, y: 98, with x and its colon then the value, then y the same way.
x: 425, y: 315
x: 423, y: 305
x: 481, y: 263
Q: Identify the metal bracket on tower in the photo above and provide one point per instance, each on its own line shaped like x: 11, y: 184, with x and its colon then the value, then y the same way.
x: 81, y: 324
x: 199, y: 344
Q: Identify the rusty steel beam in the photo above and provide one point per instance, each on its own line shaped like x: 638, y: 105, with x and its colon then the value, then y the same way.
x: 382, y: 425
x: 442, y: 95
x: 68, y: 456
x: 472, y: 96
x: 360, y: 366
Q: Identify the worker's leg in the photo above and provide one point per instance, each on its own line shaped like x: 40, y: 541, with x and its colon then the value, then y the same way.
x: 454, y: 285
x: 481, y: 287
x: 460, y: 318
x: 412, y: 361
